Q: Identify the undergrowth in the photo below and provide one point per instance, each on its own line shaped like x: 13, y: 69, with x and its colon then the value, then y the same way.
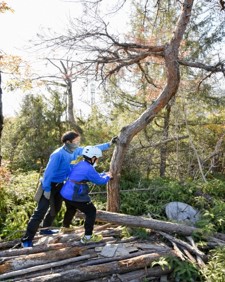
x: 17, y: 205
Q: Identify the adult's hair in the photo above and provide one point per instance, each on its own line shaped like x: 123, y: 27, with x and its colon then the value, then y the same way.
x: 69, y: 136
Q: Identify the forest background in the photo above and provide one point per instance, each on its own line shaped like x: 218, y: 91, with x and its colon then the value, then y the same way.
x: 169, y: 116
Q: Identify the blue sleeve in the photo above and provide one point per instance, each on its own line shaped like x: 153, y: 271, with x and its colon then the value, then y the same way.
x: 104, y: 146
x: 52, y: 166
x: 97, y: 178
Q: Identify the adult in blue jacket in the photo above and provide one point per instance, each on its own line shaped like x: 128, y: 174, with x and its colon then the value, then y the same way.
x: 56, y: 172
x: 75, y: 191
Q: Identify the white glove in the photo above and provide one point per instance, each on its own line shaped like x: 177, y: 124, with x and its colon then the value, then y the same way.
x: 47, y: 195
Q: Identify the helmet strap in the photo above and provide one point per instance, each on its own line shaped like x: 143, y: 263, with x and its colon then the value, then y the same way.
x: 90, y: 160
x: 93, y: 162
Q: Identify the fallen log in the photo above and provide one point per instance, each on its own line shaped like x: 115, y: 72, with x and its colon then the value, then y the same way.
x: 137, y: 275
x: 34, y: 250
x: 102, y: 270
x: 140, y: 221
x: 199, y: 259
x: 25, y: 271
x: 185, y: 245
x: 155, y: 271
x: 26, y: 261
x: 9, y: 244
x: 56, y: 267
x: 178, y: 252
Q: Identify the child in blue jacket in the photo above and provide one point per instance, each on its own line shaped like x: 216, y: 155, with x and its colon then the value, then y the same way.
x: 75, y: 191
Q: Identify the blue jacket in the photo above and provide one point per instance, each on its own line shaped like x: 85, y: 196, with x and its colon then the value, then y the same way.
x: 60, y: 165
x: 82, y: 172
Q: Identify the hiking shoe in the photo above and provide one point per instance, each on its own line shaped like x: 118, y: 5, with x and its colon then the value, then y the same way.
x: 27, y: 244
x: 48, y: 232
x: 94, y: 239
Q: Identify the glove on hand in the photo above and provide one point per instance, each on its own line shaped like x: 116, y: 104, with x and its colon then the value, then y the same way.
x: 114, y: 140
x: 47, y: 195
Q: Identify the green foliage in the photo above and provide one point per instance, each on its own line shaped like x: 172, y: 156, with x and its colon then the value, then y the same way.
x: 30, y: 138
x: 16, y: 221
x: 215, y: 187
x: 163, y: 262
x: 184, y: 270
x: 214, y: 270
x: 215, y: 216
x: 17, y: 204
x: 160, y: 192
x: 138, y: 232
x: 17, y: 191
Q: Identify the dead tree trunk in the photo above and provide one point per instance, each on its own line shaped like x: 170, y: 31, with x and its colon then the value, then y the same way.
x: 170, y: 53
x: 140, y: 221
x: 25, y: 261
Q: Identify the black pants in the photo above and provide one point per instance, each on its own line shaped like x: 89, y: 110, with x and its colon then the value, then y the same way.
x: 87, y: 208
x: 55, y: 204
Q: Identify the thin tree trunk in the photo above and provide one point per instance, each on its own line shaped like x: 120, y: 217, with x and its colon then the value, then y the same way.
x: 67, y: 71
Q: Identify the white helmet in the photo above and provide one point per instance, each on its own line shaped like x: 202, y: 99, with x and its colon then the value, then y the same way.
x: 92, y: 151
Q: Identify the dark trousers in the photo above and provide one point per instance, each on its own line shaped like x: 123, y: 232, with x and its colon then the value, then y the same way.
x: 55, y: 204
x: 87, y: 208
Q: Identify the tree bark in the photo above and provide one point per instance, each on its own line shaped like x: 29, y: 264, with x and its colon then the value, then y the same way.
x: 37, y: 249
x: 139, y: 275
x: 170, y: 53
x: 41, y: 268
x: 139, y: 221
x: 26, y: 261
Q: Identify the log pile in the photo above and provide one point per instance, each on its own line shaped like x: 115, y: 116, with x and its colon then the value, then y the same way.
x: 61, y: 257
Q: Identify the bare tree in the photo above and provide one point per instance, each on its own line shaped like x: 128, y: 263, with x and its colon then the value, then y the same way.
x: 69, y: 77
x: 65, y: 78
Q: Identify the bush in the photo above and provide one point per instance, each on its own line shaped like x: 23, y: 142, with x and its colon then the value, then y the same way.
x: 214, y: 270
x: 17, y: 204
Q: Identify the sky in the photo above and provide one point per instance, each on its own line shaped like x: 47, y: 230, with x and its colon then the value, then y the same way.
x: 29, y: 18
x: 17, y: 29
